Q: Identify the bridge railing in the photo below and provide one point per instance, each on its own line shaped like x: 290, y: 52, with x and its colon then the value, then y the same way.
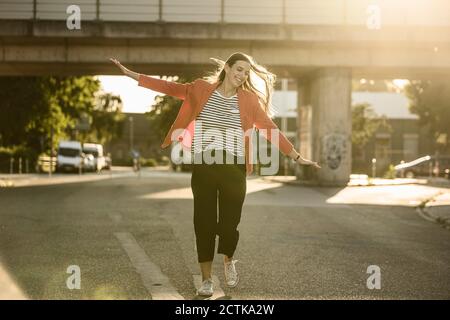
x: 304, y: 12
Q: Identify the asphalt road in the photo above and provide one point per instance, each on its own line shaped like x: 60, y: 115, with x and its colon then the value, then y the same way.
x: 132, y: 238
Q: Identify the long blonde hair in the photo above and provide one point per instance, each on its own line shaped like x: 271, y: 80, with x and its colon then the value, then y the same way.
x: 256, y: 70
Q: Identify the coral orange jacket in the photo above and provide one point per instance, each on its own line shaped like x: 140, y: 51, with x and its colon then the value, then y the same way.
x: 196, y: 94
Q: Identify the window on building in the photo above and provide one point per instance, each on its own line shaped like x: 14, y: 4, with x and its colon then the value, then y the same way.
x: 410, y: 146
x: 383, y: 147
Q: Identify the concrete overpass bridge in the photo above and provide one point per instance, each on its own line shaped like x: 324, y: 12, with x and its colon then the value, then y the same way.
x: 321, y: 43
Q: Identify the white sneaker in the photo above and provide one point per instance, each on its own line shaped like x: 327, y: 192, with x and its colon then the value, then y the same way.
x: 207, y: 288
x: 231, y: 275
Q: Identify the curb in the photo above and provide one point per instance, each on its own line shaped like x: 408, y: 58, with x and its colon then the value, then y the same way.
x: 423, y: 211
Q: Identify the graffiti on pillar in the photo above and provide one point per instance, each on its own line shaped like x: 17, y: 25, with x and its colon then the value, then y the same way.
x: 334, y: 147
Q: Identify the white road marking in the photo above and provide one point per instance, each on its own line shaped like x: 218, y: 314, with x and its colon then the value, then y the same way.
x: 218, y: 292
x: 154, y: 280
x: 8, y: 288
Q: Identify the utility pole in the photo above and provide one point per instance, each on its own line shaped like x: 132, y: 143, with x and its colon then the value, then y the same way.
x: 374, y: 167
x: 51, y: 152
x: 131, y: 133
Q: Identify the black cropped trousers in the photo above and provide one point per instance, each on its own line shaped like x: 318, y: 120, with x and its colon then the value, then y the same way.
x: 219, y: 192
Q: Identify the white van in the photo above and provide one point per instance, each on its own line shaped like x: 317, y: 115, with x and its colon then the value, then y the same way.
x: 69, y: 156
x: 98, y: 161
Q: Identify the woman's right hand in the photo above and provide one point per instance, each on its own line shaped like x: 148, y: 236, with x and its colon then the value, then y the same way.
x: 118, y: 64
x: 125, y: 71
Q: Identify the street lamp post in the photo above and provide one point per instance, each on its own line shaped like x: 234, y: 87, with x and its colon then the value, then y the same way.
x: 131, y: 132
x: 374, y: 167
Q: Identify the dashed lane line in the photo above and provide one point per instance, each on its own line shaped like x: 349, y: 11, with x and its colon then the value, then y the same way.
x: 154, y: 280
x: 9, y: 290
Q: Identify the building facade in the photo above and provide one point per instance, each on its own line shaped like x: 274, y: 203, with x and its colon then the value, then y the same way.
x: 401, y: 140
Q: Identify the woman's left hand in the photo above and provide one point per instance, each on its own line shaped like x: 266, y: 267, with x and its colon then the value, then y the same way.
x: 308, y: 163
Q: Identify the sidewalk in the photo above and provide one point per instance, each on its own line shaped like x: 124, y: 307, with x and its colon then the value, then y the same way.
x: 364, y: 181
x: 431, y: 197
x: 22, y: 180
x: 36, y: 179
x: 361, y: 181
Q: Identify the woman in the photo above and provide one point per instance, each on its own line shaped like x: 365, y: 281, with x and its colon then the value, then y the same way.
x: 228, y: 101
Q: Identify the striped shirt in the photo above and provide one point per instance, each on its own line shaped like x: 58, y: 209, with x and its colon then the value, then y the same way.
x: 218, y: 126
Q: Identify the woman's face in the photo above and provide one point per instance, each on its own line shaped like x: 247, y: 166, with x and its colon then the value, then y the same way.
x: 238, y: 73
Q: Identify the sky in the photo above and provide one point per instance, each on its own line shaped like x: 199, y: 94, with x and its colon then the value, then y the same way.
x: 135, y: 99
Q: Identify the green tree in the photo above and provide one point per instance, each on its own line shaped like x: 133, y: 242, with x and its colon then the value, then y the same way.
x: 365, y: 122
x: 430, y: 100
x: 106, y: 120
x: 22, y: 100
x: 33, y: 107
x: 163, y: 114
x: 70, y: 98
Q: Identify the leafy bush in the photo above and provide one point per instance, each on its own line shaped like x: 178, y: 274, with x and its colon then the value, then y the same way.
x: 390, y: 173
x: 165, y: 161
x: 148, y: 162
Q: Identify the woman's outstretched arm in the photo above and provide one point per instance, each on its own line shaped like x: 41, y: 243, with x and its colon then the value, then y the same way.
x: 171, y: 88
x: 126, y: 71
x: 262, y: 121
x: 294, y: 155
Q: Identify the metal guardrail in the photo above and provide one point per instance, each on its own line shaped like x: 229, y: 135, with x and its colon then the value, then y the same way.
x: 305, y: 12
x: 20, y: 164
x: 410, y: 164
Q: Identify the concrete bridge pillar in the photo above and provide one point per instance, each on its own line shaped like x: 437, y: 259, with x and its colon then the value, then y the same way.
x: 325, y: 125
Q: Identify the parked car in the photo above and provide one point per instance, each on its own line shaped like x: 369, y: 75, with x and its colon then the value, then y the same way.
x: 424, y: 167
x: 70, y: 157
x: 89, y: 163
x: 95, y: 158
